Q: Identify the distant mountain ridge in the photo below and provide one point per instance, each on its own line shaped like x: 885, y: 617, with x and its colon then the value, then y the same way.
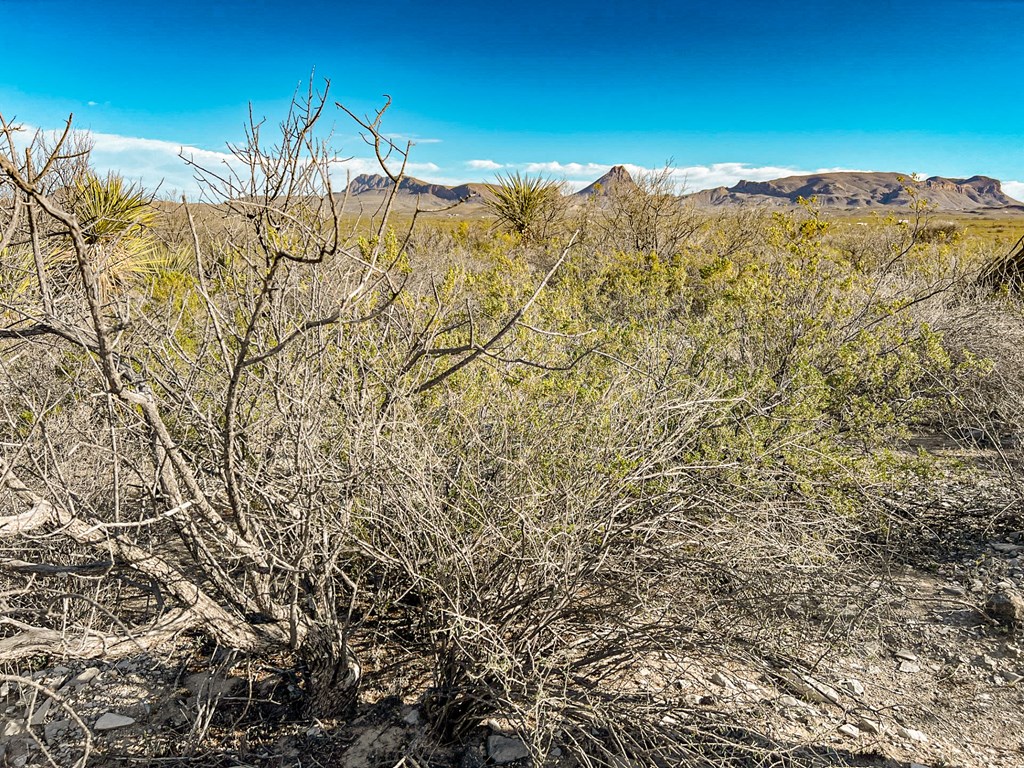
x: 853, y: 189
x: 847, y: 190
x: 366, y: 182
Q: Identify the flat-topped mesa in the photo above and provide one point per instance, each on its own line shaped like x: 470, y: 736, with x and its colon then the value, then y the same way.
x: 374, y: 182
x: 855, y: 189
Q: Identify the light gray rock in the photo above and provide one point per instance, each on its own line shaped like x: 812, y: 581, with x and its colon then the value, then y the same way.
x: 852, y: 686
x: 1006, y: 549
x: 83, y: 678
x: 108, y: 721
x: 40, y: 712
x: 808, y: 688
x: 911, y: 734
x: 986, y: 662
x: 909, y: 667
x: 506, y: 749
x: 905, y: 653
x: 872, y: 727
x: 850, y: 730
x: 13, y: 728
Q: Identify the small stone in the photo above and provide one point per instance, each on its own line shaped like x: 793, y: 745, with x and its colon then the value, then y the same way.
x: 987, y: 662
x: 55, y: 729
x: 721, y: 680
x: 849, y: 730
x: 83, y: 678
x: 555, y: 752
x: 39, y: 713
x: 108, y: 721
x: 909, y: 667
x: 1012, y: 678
x: 869, y: 726
x: 1006, y: 606
x: 911, y: 734
x: 808, y: 688
x: 12, y: 728
x: 904, y: 653
x: 506, y: 749
x: 954, y: 589
x: 852, y: 686
x: 413, y: 717
x: 789, y: 701
x: 1006, y: 549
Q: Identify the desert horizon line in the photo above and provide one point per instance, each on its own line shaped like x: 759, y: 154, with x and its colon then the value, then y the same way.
x: 158, y: 163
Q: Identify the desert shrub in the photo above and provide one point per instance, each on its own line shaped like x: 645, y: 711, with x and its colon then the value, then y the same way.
x: 526, y: 462
x: 646, y: 214
x: 531, y: 207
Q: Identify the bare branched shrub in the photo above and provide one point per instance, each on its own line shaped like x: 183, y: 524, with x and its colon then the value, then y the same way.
x: 668, y: 446
x: 649, y: 215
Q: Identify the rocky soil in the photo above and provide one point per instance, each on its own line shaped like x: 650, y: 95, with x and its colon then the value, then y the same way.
x: 941, y: 687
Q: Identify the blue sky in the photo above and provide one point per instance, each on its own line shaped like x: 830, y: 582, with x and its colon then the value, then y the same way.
x: 726, y: 90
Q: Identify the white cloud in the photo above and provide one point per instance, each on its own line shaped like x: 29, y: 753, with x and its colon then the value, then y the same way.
x: 483, y: 165
x: 1014, y: 189
x: 158, y: 163
x: 568, y: 170
x: 155, y: 162
x: 688, y: 179
x: 92, y: 103
x: 398, y: 138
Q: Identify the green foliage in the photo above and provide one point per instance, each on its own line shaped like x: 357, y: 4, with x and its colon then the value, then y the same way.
x: 527, y: 205
x: 647, y: 407
x: 117, y: 220
x: 110, y: 208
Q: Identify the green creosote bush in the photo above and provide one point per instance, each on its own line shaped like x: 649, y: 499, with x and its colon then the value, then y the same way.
x: 659, y: 454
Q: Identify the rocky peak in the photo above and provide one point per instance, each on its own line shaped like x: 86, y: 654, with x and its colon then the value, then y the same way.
x: 618, y: 176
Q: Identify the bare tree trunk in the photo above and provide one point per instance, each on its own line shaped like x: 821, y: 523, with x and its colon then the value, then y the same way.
x: 333, y: 673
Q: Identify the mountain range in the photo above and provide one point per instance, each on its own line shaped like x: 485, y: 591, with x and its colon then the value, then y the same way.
x: 845, y: 190
x: 853, y: 190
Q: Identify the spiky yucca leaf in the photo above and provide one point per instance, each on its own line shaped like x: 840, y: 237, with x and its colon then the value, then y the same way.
x: 525, y: 204
x: 115, y: 216
x: 110, y: 208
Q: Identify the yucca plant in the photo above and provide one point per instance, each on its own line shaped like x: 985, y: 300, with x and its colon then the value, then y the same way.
x: 115, y: 217
x: 110, y: 208
x: 526, y: 205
